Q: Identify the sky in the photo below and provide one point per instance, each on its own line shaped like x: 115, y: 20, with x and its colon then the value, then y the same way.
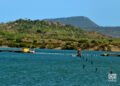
x: 102, y: 12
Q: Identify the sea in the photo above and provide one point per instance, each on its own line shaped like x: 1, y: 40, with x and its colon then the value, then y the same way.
x: 49, y: 67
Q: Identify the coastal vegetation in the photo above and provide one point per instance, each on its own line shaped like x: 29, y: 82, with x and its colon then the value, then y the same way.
x: 53, y: 35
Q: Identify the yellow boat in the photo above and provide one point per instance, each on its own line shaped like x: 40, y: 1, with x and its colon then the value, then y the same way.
x: 27, y: 50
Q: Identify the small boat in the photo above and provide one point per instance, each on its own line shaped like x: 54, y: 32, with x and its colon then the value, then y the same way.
x: 24, y: 50
x: 27, y: 50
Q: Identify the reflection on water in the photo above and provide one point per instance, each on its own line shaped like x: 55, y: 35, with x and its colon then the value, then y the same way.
x: 57, y: 68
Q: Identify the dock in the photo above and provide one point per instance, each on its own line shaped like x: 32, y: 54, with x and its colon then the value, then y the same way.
x: 112, y: 54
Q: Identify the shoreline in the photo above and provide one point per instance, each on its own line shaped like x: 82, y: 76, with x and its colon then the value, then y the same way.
x: 65, y: 49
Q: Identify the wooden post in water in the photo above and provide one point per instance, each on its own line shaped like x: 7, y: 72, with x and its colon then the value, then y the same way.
x: 91, y: 60
x: 86, y: 59
x: 83, y: 66
x: 83, y: 62
x: 83, y: 57
x: 96, y: 69
x: 111, y: 67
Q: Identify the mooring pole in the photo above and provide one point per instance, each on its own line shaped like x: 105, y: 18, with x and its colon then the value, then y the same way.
x: 91, y: 59
x: 96, y: 69
x: 86, y: 59
x: 111, y: 67
x: 83, y: 57
x: 83, y: 66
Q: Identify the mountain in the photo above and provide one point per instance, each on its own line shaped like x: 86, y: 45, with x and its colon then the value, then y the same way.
x: 46, y: 29
x: 110, y: 31
x: 44, y: 34
x: 79, y: 21
x: 87, y: 24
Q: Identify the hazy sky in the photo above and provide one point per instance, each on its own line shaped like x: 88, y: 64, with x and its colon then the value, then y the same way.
x: 102, y: 12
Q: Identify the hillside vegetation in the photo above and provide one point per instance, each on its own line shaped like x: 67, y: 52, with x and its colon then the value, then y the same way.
x: 87, y: 24
x: 110, y: 31
x: 51, y: 35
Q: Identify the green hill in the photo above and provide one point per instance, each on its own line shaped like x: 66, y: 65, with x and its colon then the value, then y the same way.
x: 44, y: 29
x: 50, y: 35
x: 87, y: 24
x: 110, y: 31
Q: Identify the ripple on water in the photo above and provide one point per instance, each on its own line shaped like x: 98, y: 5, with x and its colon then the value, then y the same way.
x: 56, y: 68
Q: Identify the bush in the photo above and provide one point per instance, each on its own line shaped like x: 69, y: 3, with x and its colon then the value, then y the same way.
x: 14, y: 45
x: 43, y: 46
x: 93, y: 41
x: 25, y: 45
x: 110, y: 40
x: 82, y: 41
x: 51, y: 46
x: 69, y: 46
x: 18, y: 40
x: 39, y: 31
x: 42, y: 30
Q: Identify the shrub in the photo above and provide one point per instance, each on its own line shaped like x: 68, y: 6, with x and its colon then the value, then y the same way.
x: 39, y: 31
x: 24, y: 45
x: 43, y: 46
x: 14, y: 45
x: 110, y: 40
x: 18, y: 40
x: 93, y: 41
x: 69, y: 47
x: 82, y: 41
x: 51, y: 46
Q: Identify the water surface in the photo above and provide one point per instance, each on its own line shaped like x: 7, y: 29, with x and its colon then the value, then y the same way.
x: 57, y: 68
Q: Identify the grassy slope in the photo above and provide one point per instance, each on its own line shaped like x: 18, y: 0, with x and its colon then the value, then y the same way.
x: 44, y: 34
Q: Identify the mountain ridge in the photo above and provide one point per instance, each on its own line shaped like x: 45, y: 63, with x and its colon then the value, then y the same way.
x: 75, y: 20
x: 87, y: 24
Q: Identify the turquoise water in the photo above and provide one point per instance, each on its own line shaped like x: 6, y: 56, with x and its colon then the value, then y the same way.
x: 57, y: 68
